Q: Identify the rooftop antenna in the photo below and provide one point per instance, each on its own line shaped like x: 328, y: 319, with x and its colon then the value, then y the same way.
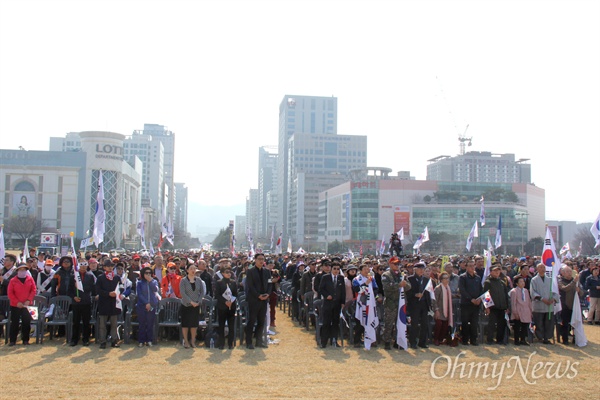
x: 463, y: 139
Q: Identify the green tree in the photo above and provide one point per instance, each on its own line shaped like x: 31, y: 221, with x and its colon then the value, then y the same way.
x: 534, y: 246
x: 335, y: 247
x: 222, y: 239
x: 499, y: 194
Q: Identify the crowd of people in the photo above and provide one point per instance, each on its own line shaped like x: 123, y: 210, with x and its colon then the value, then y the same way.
x: 445, y: 297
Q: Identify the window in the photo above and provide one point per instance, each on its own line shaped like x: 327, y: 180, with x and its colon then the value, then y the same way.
x: 330, y: 149
x: 330, y: 163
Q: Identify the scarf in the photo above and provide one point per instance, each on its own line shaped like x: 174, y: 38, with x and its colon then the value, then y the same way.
x: 447, y: 304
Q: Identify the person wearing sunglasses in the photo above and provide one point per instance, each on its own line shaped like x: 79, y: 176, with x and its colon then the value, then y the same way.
x: 170, y: 283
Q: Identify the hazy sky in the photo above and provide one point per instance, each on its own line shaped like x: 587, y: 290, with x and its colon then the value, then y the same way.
x: 525, y: 76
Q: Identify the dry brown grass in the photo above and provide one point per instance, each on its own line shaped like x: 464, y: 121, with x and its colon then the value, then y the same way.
x: 295, y: 368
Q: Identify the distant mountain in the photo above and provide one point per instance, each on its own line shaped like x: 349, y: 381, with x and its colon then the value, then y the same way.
x: 206, y: 220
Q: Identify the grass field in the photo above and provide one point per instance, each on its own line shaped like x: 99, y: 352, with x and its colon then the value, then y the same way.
x: 297, y: 369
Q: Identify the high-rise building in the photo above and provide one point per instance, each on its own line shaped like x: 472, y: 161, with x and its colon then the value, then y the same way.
x: 299, y: 114
x: 316, y: 163
x: 167, y: 138
x: 267, y: 182
x: 252, y: 212
x: 478, y: 166
x: 151, y: 152
x: 181, y: 207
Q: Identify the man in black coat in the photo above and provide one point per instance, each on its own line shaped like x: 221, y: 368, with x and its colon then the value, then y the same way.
x: 418, y: 304
x: 333, y: 293
x: 257, y: 294
x: 106, y: 285
x: 82, y: 306
x: 469, y: 284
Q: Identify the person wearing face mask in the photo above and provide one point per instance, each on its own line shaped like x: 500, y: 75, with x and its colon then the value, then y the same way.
x: 21, y: 291
x: 44, y: 279
x: 106, y: 287
x: 125, y: 285
x: 170, y: 283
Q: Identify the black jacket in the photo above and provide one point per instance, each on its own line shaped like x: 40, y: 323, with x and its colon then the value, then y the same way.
x: 337, y: 292
x: 498, y: 292
x: 470, y: 287
x: 63, y: 283
x: 220, y: 288
x: 89, y: 289
x: 257, y: 283
x: 417, y: 285
x: 107, y: 305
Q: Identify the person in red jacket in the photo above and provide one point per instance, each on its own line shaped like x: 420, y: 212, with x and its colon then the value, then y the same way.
x: 170, y: 283
x: 21, y: 291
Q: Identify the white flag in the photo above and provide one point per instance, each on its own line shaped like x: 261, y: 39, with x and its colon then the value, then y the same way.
x: 350, y: 254
x: 488, y: 265
x: 498, y: 241
x: 401, y: 234
x: 482, y: 213
x: 366, y: 313
x: 278, y: 249
x: 489, y: 245
x: 382, y: 246
x: 551, y: 261
x: 119, y: 304
x: 100, y: 216
x: 473, y: 234
x: 595, y: 230
x: 424, y: 237
x: 289, y: 247
x: 26, y: 250
x: 141, y: 228
x: 487, y: 299
x: 170, y: 232
x: 2, y: 249
x: 78, y: 282
x: 401, y: 339
x: 429, y: 287
x: 85, y: 242
x: 565, y: 248
x: 577, y: 323
x: 272, y: 237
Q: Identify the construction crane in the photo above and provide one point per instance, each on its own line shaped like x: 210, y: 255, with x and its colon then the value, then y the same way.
x: 463, y: 139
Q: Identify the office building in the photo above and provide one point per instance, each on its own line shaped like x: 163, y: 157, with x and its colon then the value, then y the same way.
x: 59, y: 187
x: 477, y: 166
x: 299, y: 114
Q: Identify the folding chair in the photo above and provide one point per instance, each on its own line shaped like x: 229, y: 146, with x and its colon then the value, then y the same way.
x: 168, y: 316
x: 61, y: 316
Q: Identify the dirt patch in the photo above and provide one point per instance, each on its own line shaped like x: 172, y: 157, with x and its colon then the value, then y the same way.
x: 296, y: 368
